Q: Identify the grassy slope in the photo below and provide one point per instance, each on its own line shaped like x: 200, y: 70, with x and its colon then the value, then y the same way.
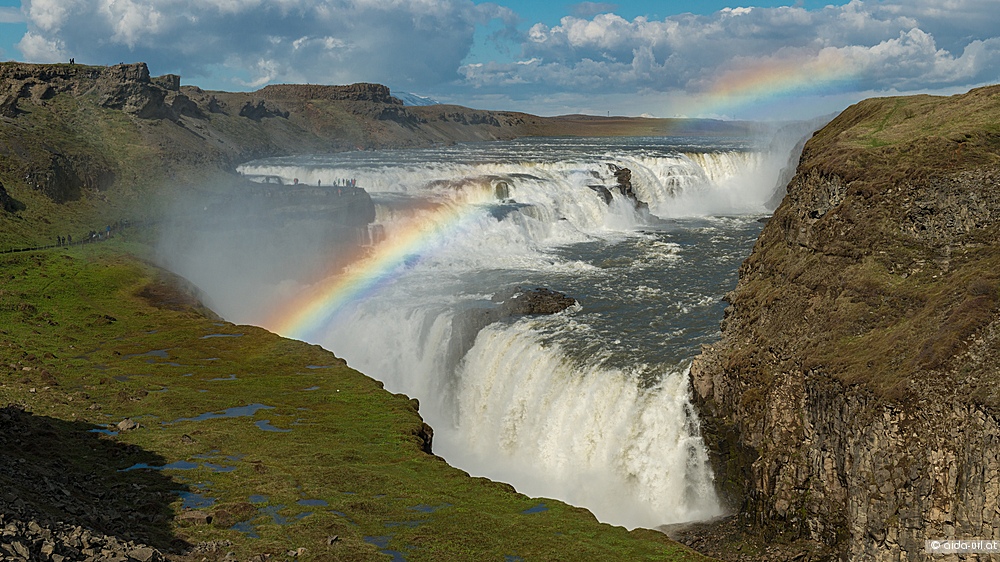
x: 74, y: 328
x: 78, y: 328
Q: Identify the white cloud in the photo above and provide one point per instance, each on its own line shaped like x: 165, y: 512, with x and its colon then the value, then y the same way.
x: 38, y: 48
x: 861, y: 46
x: 413, y: 42
x: 873, y: 45
x: 11, y: 15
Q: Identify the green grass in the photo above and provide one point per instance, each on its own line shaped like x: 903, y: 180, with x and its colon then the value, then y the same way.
x: 76, y: 334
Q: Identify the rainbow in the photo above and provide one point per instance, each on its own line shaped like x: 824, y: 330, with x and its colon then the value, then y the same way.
x: 774, y: 80
x: 304, y: 317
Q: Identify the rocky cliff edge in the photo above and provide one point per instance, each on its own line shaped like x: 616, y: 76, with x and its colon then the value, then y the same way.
x: 852, y: 403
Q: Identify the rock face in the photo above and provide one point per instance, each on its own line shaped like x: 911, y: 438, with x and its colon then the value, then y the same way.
x: 853, y: 399
x: 8, y: 203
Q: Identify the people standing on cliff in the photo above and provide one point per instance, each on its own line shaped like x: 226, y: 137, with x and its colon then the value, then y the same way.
x: 69, y: 239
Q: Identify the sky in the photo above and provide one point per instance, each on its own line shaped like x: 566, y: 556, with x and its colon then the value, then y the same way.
x: 683, y: 58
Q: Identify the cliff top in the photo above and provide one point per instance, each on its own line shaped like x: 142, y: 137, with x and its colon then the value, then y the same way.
x: 913, y: 137
x: 880, y: 267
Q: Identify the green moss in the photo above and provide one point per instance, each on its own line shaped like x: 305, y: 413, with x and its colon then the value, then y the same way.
x: 84, y: 318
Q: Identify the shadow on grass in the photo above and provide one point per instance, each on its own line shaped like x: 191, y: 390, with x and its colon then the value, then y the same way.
x: 54, y: 470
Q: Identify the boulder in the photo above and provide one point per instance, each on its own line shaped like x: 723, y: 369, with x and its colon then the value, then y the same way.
x: 522, y: 302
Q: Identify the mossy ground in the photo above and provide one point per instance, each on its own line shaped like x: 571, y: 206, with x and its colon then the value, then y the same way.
x: 90, y: 335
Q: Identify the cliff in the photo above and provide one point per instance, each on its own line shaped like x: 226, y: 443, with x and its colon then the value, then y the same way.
x: 111, y: 139
x: 852, y: 402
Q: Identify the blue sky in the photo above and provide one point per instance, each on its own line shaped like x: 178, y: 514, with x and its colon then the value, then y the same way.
x: 749, y: 60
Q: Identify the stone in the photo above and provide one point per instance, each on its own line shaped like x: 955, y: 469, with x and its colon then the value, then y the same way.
x: 127, y: 424
x: 143, y: 554
x: 195, y: 517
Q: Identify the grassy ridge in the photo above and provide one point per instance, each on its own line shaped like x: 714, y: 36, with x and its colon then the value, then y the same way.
x: 92, y: 336
x: 880, y: 268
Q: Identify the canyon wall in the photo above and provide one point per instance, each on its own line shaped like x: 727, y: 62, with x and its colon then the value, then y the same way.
x: 852, y: 402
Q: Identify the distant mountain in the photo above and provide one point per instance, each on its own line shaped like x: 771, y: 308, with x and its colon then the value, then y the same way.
x: 414, y: 100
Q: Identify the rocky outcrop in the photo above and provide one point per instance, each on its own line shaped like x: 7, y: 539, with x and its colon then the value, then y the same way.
x: 261, y: 110
x: 63, y: 178
x: 8, y: 203
x: 361, y: 92
x: 521, y: 302
x: 623, y: 177
x: 853, y: 399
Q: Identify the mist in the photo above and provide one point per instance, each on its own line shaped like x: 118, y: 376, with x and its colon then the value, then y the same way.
x: 253, y: 246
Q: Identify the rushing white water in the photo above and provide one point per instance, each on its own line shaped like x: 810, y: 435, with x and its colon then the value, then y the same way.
x: 590, y: 405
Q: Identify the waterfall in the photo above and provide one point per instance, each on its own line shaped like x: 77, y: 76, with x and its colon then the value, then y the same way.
x: 591, y: 405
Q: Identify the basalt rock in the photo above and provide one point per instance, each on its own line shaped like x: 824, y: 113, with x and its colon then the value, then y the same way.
x: 522, y: 302
x: 128, y: 87
x: 8, y: 203
x: 63, y: 178
x: 624, y: 178
x: 262, y: 110
x: 853, y: 399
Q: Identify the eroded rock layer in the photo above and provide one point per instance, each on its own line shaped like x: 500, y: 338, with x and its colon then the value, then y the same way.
x: 853, y: 399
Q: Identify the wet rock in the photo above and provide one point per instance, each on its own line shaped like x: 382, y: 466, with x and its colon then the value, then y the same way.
x: 604, y: 192
x: 540, y: 300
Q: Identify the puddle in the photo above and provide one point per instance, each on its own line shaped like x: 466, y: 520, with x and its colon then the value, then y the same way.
x: 218, y: 467
x: 424, y: 508
x: 382, y: 543
x: 317, y: 366
x: 209, y: 455
x: 537, y: 509
x: 512, y: 558
x: 229, y: 378
x: 171, y: 364
x: 247, y: 529
x: 103, y: 431
x: 410, y: 524
x: 265, y: 425
x: 222, y: 336
x: 192, y: 500
x: 188, y: 375
x: 178, y: 465
x: 312, y: 503
x: 310, y: 388
x: 250, y: 530
x: 272, y: 510
x: 161, y: 353
x: 236, y: 412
